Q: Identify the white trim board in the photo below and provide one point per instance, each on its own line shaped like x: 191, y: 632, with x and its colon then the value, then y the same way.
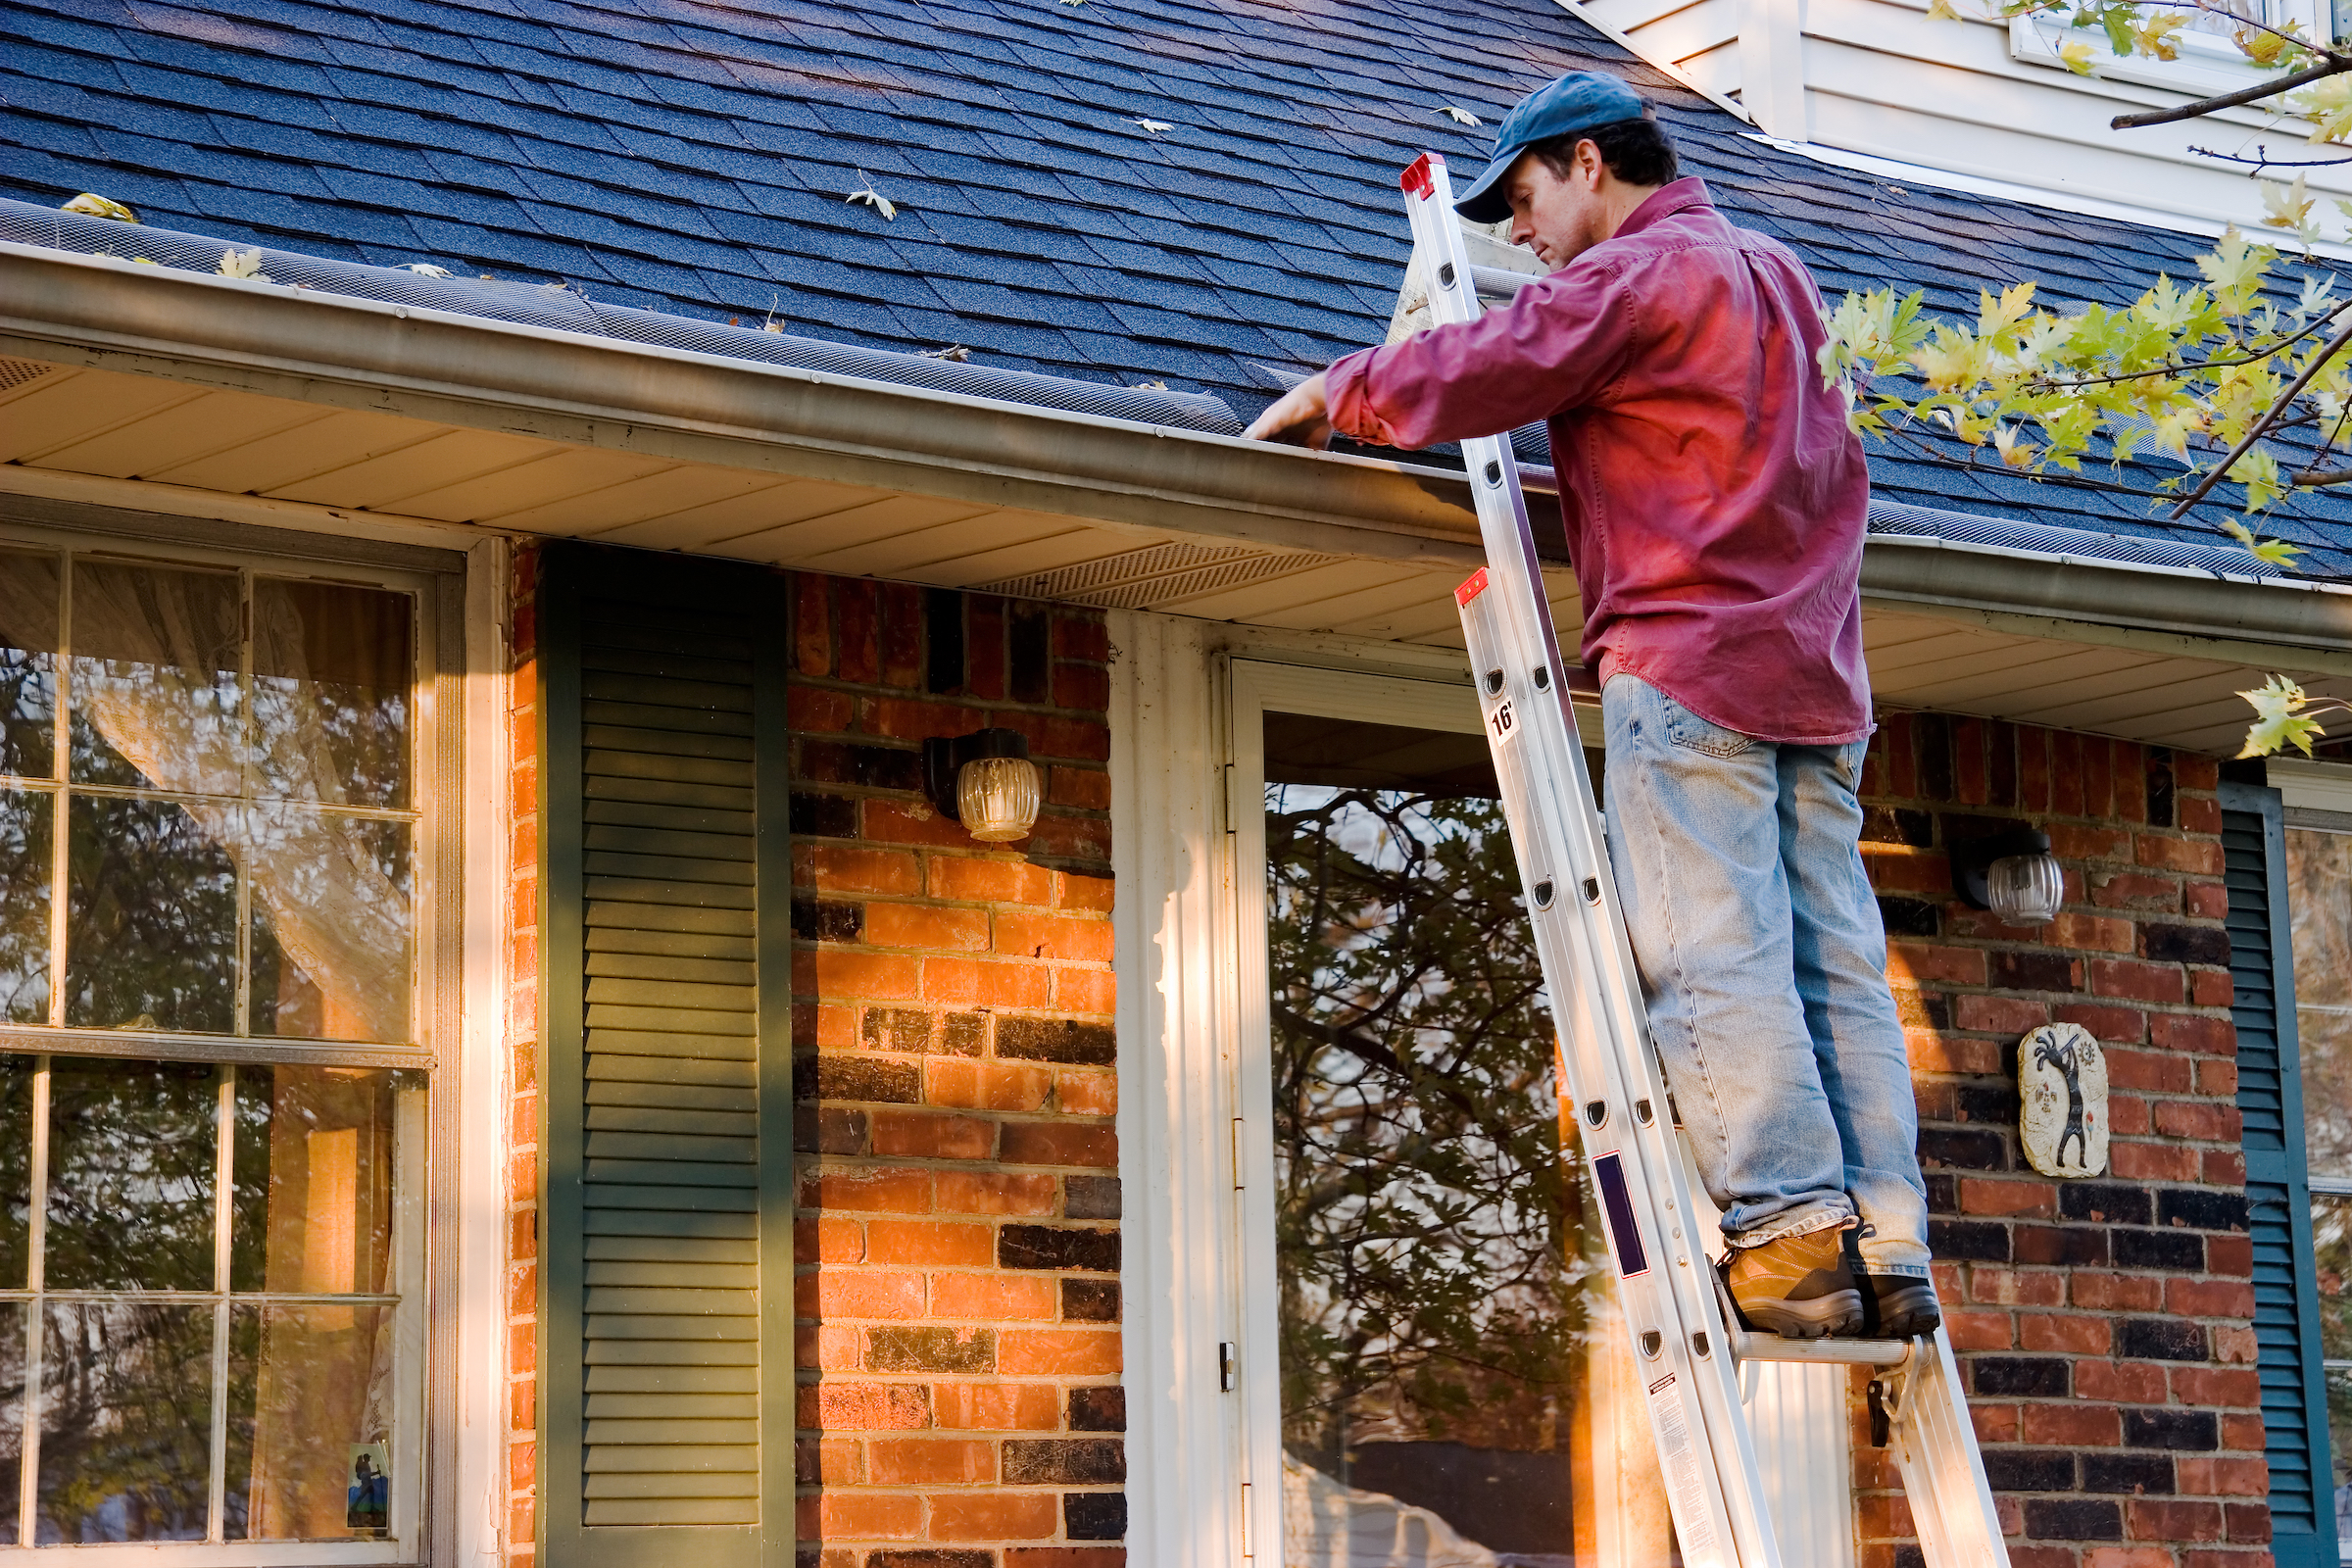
x: 2313, y: 786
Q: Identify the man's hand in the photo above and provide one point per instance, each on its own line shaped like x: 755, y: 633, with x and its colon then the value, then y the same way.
x: 1301, y: 419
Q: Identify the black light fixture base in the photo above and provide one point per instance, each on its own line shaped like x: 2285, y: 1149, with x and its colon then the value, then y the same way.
x: 1972, y: 859
x: 944, y: 758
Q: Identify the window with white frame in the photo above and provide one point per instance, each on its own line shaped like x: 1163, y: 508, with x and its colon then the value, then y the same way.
x: 213, y: 1054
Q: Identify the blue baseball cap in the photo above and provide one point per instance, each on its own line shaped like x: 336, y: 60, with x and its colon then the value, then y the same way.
x: 1581, y: 100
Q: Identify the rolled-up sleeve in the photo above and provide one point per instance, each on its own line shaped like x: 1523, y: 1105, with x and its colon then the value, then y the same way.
x: 1556, y: 345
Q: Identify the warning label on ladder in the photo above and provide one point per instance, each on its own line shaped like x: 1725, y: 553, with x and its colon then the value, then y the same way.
x: 1684, y: 1483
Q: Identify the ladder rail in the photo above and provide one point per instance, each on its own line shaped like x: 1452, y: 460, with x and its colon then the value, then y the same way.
x: 1611, y: 1078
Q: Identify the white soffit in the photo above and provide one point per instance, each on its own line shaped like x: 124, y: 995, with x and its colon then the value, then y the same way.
x: 108, y: 436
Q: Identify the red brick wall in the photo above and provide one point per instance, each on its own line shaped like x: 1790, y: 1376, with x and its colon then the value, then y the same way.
x: 958, y: 1243
x: 522, y: 1038
x: 2104, y: 1325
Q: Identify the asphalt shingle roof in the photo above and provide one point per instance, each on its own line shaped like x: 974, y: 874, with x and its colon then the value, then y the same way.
x: 693, y: 157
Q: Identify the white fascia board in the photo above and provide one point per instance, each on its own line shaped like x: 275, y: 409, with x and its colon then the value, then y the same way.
x: 2055, y: 200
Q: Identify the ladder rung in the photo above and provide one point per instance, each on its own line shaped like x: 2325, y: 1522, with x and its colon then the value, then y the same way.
x: 1747, y: 1347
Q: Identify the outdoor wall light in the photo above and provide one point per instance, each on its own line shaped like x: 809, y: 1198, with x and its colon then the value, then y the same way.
x: 984, y: 780
x: 2011, y: 873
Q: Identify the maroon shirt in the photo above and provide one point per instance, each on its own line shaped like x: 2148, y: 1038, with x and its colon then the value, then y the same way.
x: 1713, y: 495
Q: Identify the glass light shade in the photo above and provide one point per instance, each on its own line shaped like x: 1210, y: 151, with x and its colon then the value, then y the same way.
x: 997, y: 798
x: 2025, y: 889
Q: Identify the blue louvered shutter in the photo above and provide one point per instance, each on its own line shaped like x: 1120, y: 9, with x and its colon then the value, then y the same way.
x: 2287, y: 1320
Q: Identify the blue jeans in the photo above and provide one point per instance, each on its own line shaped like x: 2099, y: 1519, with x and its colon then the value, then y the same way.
x: 1764, y: 961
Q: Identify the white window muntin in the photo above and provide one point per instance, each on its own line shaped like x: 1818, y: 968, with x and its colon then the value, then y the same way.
x: 416, y: 1123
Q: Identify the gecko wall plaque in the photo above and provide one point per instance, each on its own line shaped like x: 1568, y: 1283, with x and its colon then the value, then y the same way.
x: 2062, y: 1083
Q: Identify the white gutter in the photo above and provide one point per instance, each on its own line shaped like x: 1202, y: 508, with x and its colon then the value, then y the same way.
x: 116, y: 315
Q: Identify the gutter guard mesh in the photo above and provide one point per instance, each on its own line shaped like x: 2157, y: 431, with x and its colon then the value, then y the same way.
x: 1901, y: 520
x: 552, y: 305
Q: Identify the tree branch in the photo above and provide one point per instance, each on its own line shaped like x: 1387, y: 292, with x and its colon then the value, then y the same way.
x: 2270, y: 417
x: 2267, y: 162
x: 2334, y: 65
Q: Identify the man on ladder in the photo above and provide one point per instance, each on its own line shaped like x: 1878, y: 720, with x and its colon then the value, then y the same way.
x: 1714, y: 501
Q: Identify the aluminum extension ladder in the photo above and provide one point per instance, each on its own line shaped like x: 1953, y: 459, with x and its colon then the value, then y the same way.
x: 1689, y: 1350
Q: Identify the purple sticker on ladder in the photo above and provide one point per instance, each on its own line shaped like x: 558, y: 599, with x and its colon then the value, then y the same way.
x: 1608, y: 1174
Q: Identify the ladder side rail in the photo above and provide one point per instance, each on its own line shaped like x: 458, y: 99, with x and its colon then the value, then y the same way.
x: 1936, y: 1451
x: 1714, y: 1488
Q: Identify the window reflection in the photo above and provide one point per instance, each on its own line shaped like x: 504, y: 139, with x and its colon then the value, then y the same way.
x: 331, y: 667
x: 16, y: 1176
x: 1440, y: 1302
x: 309, y: 1393
x: 155, y: 698
x: 26, y: 862
x: 331, y: 945
x: 2318, y: 874
x: 27, y: 664
x: 151, y: 916
x: 12, y: 1416
x: 125, y: 1422
x: 313, y: 1213
x: 133, y: 1155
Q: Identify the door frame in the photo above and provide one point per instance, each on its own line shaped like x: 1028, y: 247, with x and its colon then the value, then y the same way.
x: 1257, y: 688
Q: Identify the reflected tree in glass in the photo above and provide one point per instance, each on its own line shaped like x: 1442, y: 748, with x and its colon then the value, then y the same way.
x: 132, y: 1167
x: 25, y: 870
x: 125, y: 1422
x: 151, y: 917
x: 2319, y: 872
x: 155, y: 697
x: 29, y: 585
x: 1428, y: 1241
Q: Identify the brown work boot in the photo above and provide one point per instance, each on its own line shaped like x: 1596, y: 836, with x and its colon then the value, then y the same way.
x: 1797, y: 1287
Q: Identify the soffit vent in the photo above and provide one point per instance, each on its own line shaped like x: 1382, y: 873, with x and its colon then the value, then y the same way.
x: 16, y: 373
x: 1158, y: 574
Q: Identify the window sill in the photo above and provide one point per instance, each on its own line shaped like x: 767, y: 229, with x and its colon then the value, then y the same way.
x: 2207, y: 65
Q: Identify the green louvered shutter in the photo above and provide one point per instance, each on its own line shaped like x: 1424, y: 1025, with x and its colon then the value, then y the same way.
x: 666, y: 1329
x: 2287, y: 1328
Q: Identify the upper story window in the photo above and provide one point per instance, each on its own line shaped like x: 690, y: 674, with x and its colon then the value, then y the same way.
x: 211, y: 1141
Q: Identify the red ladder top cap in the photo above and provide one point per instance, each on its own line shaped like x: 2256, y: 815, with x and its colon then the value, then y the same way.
x: 1416, y: 177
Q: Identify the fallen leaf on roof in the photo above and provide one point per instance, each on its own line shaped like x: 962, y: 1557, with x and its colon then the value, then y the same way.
x: 92, y: 205
x: 873, y: 198
x: 1154, y: 127
x: 141, y: 261
x: 1460, y: 116
x: 242, y: 263
x: 427, y: 269
x: 1151, y: 386
x: 953, y: 351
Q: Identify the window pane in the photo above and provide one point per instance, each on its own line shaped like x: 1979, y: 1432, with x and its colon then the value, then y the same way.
x: 2331, y: 1252
x: 331, y: 916
x: 125, y: 1422
x: 151, y: 913
x: 25, y: 862
x: 2319, y: 873
x: 156, y: 656
x: 27, y: 664
x: 310, y: 1422
x: 133, y: 1157
x: 12, y: 1415
x: 313, y: 1180
x: 16, y: 1175
x: 1436, y: 1281
x: 332, y: 671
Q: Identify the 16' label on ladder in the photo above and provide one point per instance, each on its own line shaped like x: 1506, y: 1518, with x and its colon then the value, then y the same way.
x: 1502, y: 723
